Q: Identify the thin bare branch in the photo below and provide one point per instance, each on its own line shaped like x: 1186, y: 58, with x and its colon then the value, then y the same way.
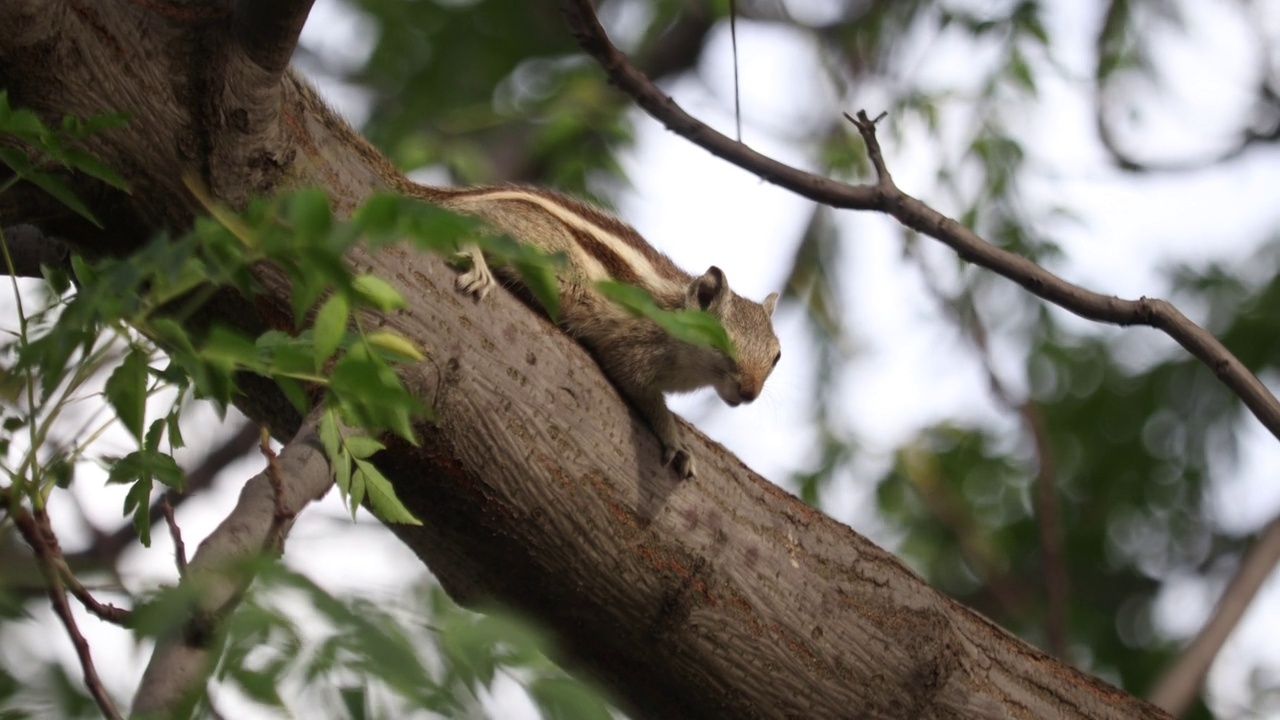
x: 183, y: 661
x: 175, y: 532
x: 104, y: 611
x: 38, y: 533
x: 885, y: 197
x: 1180, y: 685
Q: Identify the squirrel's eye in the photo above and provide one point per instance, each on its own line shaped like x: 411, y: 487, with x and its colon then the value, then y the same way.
x: 776, y: 358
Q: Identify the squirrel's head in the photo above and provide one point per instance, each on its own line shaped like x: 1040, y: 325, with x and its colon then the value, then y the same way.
x: 750, y: 328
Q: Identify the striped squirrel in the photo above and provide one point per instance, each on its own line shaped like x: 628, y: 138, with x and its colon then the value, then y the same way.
x: 642, y: 360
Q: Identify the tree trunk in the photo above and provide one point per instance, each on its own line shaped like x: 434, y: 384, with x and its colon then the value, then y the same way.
x: 723, y: 597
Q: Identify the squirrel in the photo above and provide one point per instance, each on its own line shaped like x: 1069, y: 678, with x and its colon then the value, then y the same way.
x: 641, y: 359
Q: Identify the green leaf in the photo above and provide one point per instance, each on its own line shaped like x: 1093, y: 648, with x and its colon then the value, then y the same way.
x: 342, y: 474
x: 175, y: 431
x: 138, y: 501
x: 142, y: 465
x: 371, y: 395
x: 21, y: 122
x: 260, y: 686
x: 230, y: 351
x: 310, y: 215
x: 540, y: 279
x: 329, y: 436
x: 695, y: 327
x: 330, y: 326
x: 58, y: 279
x: 292, y: 357
x: 566, y: 699
x: 62, y: 471
x: 62, y: 193
x: 379, y: 215
x: 357, y: 491
x: 92, y: 166
x: 395, y: 343
x: 355, y: 700
x: 382, y: 496
x: 83, y: 270
x: 378, y: 293
x: 154, y: 434
x: 362, y: 446
x: 126, y: 390
x: 295, y: 393
x: 171, y: 334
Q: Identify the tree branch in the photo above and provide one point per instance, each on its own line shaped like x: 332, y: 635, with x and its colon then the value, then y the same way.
x: 1180, y: 684
x: 182, y: 662
x: 885, y: 197
x: 268, y: 31
x: 35, y: 529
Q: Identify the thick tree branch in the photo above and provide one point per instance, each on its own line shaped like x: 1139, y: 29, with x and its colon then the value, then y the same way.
x: 268, y: 31
x: 180, y: 664
x: 885, y: 197
x: 1181, y: 683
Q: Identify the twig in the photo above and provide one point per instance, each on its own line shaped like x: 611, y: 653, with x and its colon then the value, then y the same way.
x: 38, y: 533
x: 1180, y: 685
x: 179, y: 548
x: 283, y: 515
x: 885, y: 197
x: 104, y: 611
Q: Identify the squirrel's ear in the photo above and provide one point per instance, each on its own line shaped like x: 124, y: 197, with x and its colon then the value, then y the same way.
x: 709, y: 291
x: 770, y: 303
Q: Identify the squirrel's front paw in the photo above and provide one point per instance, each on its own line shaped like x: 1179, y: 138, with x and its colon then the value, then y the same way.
x: 680, y: 461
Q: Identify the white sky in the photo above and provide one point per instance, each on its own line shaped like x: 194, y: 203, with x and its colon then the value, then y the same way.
x: 911, y: 369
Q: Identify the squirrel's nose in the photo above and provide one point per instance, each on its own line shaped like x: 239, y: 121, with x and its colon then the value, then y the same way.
x: 748, y: 394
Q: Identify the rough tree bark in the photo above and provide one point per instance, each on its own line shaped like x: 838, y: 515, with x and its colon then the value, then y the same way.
x: 723, y: 597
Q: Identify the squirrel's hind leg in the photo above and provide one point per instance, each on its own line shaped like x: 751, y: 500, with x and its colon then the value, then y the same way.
x: 479, y: 280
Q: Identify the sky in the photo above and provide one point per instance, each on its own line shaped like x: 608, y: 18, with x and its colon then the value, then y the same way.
x: 702, y: 211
